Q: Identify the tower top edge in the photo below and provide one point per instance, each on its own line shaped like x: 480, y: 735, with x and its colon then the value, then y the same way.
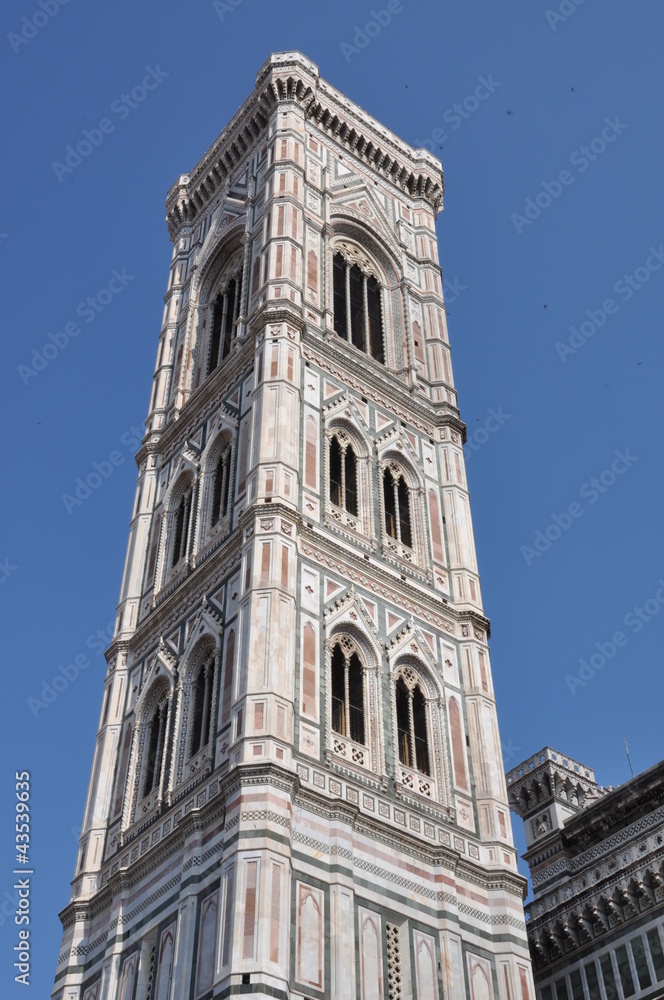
x: 547, y: 756
x: 291, y: 78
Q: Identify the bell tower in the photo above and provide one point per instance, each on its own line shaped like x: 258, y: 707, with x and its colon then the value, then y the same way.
x: 297, y: 787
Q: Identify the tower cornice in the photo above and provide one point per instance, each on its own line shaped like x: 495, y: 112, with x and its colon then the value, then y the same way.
x: 287, y: 78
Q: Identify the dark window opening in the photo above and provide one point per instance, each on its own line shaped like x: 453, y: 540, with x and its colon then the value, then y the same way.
x: 396, y: 500
x: 561, y: 990
x: 155, y: 748
x: 390, y: 504
x: 375, y: 320
x: 404, y: 512
x: 577, y: 985
x: 338, y: 692
x: 420, y: 731
x: 221, y: 486
x: 350, y: 469
x: 335, y: 472
x: 181, y: 527
x: 347, y: 684
x: 339, y: 275
x: 403, y: 724
x: 201, y: 708
x: 592, y: 981
x: 343, y: 476
x: 224, y: 320
x: 356, y: 289
x: 610, y: 987
x: 641, y: 963
x: 656, y: 953
x: 625, y: 972
x: 412, y: 728
x: 356, y: 699
x: 358, y: 314
x: 228, y: 325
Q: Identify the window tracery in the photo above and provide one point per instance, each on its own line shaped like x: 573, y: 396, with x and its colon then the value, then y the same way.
x: 412, y: 729
x: 357, y: 302
x: 353, y: 698
x: 225, y: 311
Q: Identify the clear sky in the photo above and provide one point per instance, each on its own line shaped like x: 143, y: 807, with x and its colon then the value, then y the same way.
x: 553, y: 206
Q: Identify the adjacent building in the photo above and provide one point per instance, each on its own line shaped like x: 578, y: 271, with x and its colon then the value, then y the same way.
x: 596, y: 857
x: 297, y: 788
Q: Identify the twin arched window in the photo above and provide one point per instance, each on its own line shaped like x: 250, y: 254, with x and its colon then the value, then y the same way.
x: 349, y: 720
x: 358, y: 314
x: 182, y: 516
x: 196, y: 736
x: 344, y: 493
x: 412, y: 727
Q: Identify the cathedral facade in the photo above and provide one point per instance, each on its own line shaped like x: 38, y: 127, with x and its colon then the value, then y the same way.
x: 596, y: 857
x: 297, y: 787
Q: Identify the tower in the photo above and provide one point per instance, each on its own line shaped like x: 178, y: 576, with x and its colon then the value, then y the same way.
x: 297, y: 787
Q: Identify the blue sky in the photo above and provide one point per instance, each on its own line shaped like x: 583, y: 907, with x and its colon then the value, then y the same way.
x: 549, y: 87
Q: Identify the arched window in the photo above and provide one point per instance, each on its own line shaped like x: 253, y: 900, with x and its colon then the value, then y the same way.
x: 412, y: 727
x: 201, y: 706
x: 221, y: 478
x: 154, y: 747
x: 343, y: 476
x: 182, y: 525
x: 396, y: 498
x: 225, y: 311
x: 347, y: 684
x: 358, y: 316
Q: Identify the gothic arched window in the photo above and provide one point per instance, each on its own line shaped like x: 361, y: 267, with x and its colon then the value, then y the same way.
x: 347, y: 682
x: 358, y: 314
x: 154, y: 747
x: 225, y: 311
x: 412, y: 727
x: 343, y: 476
x: 396, y: 498
x: 221, y: 478
x: 182, y: 525
x: 201, y: 706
